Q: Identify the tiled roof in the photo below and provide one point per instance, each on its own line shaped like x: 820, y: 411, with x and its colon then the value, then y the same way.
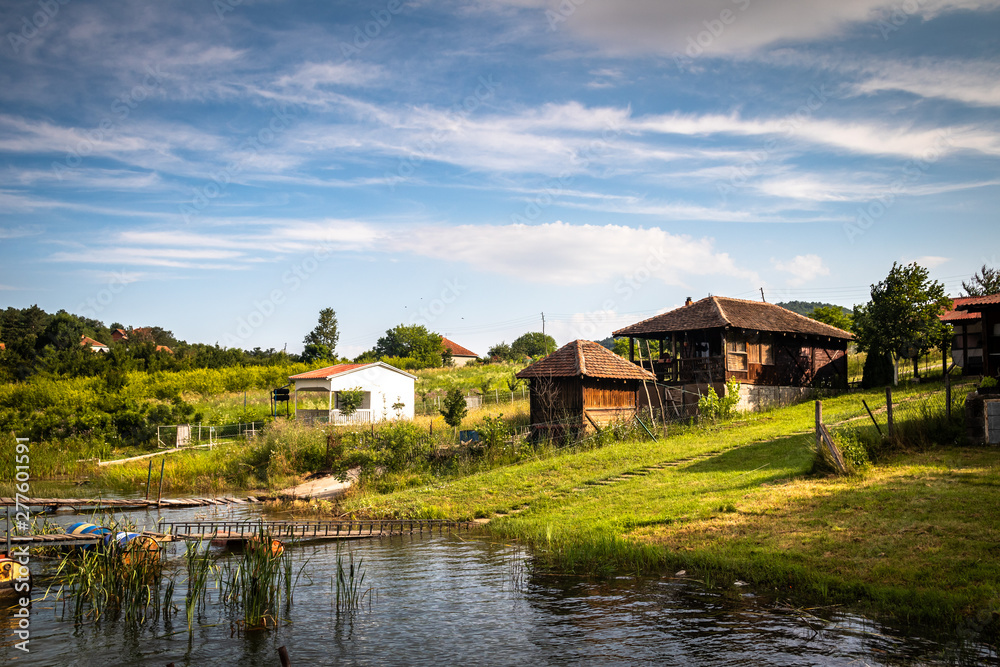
x: 164, y: 348
x: 87, y: 340
x: 956, y: 315
x: 583, y: 357
x: 974, y: 302
x: 456, y: 349
x: 329, y: 371
x: 717, y: 312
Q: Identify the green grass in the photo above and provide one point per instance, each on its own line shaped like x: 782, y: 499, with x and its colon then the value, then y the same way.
x: 914, y: 537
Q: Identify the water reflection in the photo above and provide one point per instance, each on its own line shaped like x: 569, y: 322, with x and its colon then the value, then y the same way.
x: 461, y: 599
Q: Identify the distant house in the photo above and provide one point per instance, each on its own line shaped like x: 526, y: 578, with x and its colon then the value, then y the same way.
x: 988, y: 308
x: 164, y: 348
x: 583, y: 385
x: 95, y: 345
x: 388, y: 393
x: 966, y: 346
x: 3, y: 346
x: 118, y: 335
x: 459, y: 355
x: 776, y: 355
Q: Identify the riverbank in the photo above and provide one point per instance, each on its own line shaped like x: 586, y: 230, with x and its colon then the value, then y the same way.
x: 913, y: 537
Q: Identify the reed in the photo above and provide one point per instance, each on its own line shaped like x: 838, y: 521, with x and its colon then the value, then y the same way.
x: 350, y: 578
x: 253, y: 585
x: 199, y: 565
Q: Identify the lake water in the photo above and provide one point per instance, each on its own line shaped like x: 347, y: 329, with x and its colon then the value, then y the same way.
x: 462, y: 599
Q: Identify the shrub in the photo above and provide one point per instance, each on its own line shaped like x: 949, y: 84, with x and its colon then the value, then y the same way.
x: 713, y: 407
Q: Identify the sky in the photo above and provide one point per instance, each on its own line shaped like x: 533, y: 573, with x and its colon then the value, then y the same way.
x: 225, y: 169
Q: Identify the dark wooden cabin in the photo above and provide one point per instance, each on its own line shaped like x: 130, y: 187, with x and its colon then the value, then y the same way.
x: 966, y: 345
x: 583, y: 385
x: 707, y: 342
x: 988, y: 308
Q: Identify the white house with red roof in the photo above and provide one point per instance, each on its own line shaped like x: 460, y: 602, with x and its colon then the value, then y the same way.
x: 388, y: 393
x: 460, y: 356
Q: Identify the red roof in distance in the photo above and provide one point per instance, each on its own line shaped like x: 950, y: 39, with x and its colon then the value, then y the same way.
x: 974, y: 302
x: 956, y: 315
x: 456, y: 349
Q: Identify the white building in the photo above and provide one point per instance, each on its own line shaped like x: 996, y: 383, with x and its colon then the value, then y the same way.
x: 388, y: 393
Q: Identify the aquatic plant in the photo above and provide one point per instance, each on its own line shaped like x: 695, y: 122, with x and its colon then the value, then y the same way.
x: 254, y: 584
x: 350, y: 578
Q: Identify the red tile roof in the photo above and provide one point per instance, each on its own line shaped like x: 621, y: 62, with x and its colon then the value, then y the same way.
x: 719, y: 312
x: 329, y: 371
x: 164, y: 348
x: 974, y: 302
x: 456, y: 349
x: 955, y: 315
x: 583, y: 357
x: 87, y: 340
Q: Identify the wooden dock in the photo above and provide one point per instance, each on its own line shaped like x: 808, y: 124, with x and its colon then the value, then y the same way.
x: 286, y: 531
x: 129, y: 503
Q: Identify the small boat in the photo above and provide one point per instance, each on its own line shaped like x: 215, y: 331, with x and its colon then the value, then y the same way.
x: 10, y: 572
x: 134, y: 547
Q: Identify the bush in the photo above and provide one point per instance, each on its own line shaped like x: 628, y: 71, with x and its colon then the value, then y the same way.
x: 715, y: 408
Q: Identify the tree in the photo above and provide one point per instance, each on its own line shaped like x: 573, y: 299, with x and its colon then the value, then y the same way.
x: 455, y: 408
x: 326, y: 332
x: 500, y: 352
x: 349, y: 400
x: 901, y: 319
x: 315, y: 352
x: 834, y: 316
x: 533, y: 344
x: 983, y: 282
x: 413, y: 341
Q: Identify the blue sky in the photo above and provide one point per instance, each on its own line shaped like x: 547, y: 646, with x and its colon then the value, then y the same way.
x: 226, y: 169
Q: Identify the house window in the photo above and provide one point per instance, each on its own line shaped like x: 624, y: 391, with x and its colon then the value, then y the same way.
x: 366, y: 402
x: 736, y: 354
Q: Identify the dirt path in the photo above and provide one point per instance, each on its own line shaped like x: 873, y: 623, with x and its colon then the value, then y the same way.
x: 328, y: 486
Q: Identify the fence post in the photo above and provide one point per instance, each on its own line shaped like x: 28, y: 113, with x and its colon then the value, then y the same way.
x: 947, y: 394
x: 159, y: 491
x: 819, y: 425
x: 149, y: 477
x: 888, y: 409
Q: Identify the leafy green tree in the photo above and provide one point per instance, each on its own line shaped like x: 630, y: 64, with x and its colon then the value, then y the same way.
x: 533, y: 344
x: 325, y: 333
x: 901, y: 319
x: 455, y: 408
x: 500, y: 352
x: 983, y: 282
x: 349, y: 400
x: 413, y: 341
x: 315, y: 352
x: 835, y: 316
x: 621, y: 347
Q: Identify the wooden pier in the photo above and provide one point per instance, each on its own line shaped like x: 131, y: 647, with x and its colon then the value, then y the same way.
x: 129, y: 503
x: 286, y: 531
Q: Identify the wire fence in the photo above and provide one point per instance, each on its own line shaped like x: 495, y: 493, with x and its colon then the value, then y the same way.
x: 194, y: 435
x: 474, y: 400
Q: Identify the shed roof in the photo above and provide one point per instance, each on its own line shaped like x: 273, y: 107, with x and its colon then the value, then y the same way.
x: 584, y: 357
x: 87, y: 340
x: 977, y: 302
x: 456, y: 349
x: 719, y: 312
x: 956, y: 315
x: 339, y: 369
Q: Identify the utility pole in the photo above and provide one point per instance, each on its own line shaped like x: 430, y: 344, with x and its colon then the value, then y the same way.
x: 762, y: 295
x: 543, y: 334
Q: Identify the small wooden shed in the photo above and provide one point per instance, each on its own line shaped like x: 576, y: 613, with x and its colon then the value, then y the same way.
x: 988, y: 308
x: 580, y: 386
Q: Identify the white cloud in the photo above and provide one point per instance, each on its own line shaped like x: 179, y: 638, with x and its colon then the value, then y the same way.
x: 970, y: 82
x: 929, y: 261
x: 803, y: 268
x: 721, y: 27
x: 563, y: 254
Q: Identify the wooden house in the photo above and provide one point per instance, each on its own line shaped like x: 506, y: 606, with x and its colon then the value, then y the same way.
x: 775, y: 354
x: 988, y: 308
x: 966, y: 345
x: 583, y: 385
